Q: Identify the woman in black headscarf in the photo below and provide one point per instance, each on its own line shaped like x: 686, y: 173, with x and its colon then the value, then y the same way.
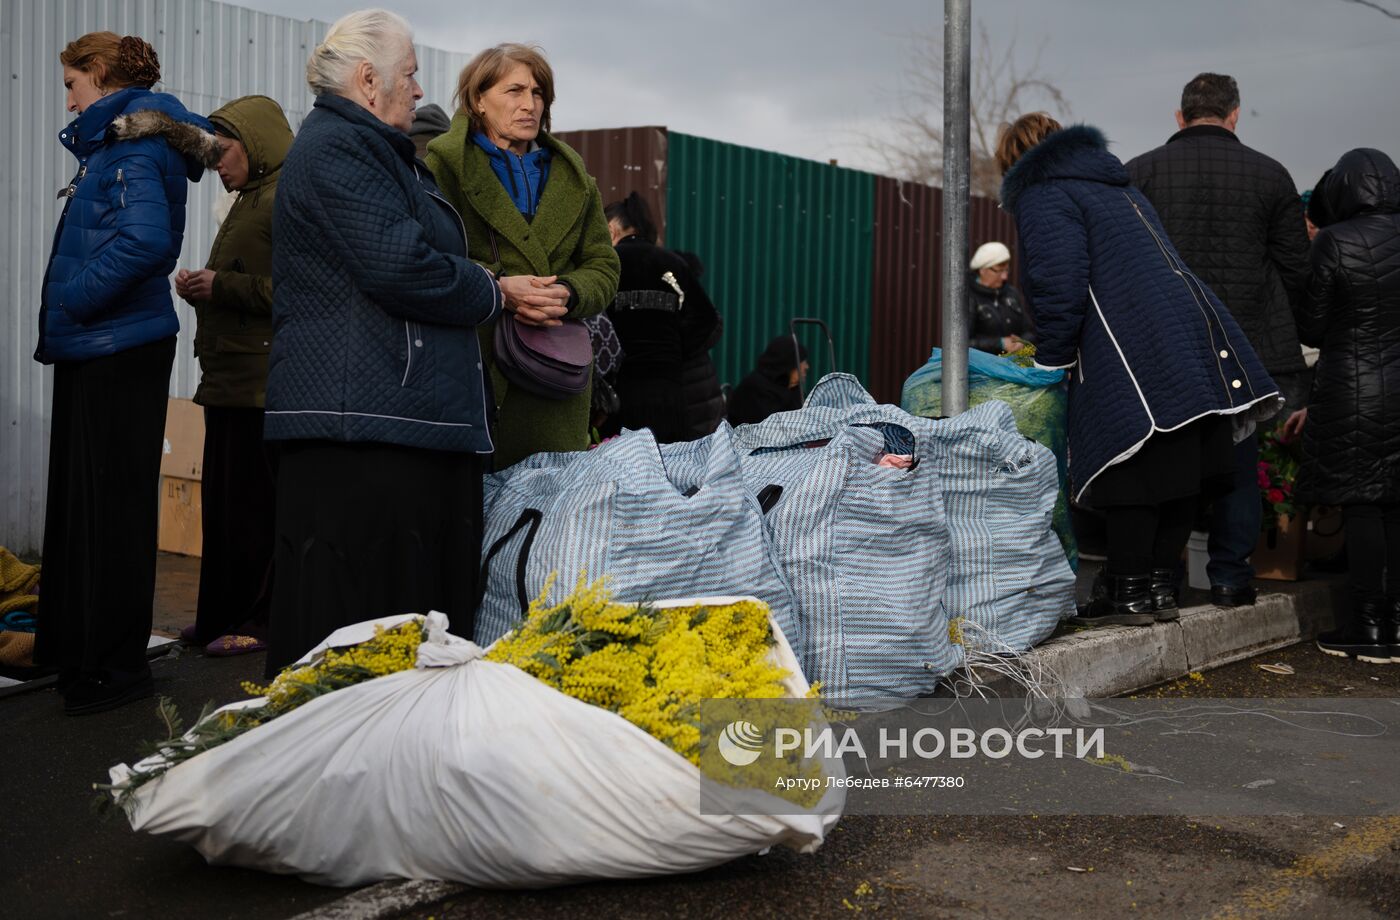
x: 773, y: 385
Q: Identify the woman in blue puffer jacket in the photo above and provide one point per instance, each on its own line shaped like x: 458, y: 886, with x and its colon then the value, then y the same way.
x: 107, y: 325
x: 1158, y: 368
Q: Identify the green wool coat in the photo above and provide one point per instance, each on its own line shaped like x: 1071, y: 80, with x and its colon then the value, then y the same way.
x: 568, y: 237
x: 234, y: 328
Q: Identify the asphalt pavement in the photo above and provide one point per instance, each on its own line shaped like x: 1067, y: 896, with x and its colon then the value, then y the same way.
x: 62, y: 860
x: 1047, y: 866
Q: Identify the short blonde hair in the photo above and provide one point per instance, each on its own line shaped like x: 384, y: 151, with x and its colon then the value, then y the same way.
x: 489, y: 67
x: 1021, y: 135
x: 379, y: 37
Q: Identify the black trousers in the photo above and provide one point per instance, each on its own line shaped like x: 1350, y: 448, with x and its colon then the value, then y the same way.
x: 1373, y: 548
x: 1145, y: 537
x: 367, y: 530
x: 235, y: 572
x: 103, y: 512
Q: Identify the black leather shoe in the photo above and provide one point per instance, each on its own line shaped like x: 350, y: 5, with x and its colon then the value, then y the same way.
x: 1164, y: 596
x: 1226, y: 596
x: 1118, y: 600
x: 1362, y: 637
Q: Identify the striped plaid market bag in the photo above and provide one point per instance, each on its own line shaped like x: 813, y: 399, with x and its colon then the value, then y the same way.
x: 1006, y: 572
x: 656, y: 528
x: 865, y: 549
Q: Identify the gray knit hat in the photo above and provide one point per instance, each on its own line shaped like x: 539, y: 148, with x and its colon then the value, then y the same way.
x: 430, y: 119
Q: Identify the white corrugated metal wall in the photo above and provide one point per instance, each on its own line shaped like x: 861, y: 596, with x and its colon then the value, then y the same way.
x: 210, y: 53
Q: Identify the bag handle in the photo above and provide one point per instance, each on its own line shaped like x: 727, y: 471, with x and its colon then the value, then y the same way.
x: 532, y: 518
x: 768, y: 497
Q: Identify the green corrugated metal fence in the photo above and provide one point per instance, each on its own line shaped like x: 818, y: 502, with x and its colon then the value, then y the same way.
x: 780, y: 237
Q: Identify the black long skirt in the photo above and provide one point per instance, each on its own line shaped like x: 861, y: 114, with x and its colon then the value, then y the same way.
x: 367, y: 530
x: 654, y: 402
x: 1196, y: 459
x: 239, y: 486
x: 103, y: 513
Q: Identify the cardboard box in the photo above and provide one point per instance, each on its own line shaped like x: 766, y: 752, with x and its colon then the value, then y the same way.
x: 1280, y: 551
x: 183, y: 453
x: 181, y: 516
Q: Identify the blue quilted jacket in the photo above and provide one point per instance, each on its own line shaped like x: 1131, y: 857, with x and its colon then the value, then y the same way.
x: 374, y: 301
x: 107, y: 285
x: 1151, y: 347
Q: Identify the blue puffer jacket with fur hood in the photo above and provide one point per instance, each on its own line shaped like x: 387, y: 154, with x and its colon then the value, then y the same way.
x: 1152, y: 349
x: 107, y: 285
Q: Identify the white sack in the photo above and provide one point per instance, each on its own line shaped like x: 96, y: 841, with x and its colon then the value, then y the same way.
x: 463, y: 770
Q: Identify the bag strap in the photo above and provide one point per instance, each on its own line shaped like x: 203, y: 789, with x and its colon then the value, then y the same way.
x: 495, y: 249
x: 532, y: 518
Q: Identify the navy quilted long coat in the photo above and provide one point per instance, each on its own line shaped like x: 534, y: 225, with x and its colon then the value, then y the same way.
x: 107, y: 286
x: 1351, y: 443
x: 1151, y: 347
x: 374, y: 299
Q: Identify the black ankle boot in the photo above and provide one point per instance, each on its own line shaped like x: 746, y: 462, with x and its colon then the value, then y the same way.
x: 1164, y: 596
x: 1122, y: 600
x: 1361, y: 638
x: 1390, y: 631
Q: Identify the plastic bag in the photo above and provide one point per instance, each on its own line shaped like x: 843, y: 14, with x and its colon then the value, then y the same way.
x: 865, y: 548
x: 1006, y: 571
x: 1037, y: 399
x: 655, y: 527
x: 462, y: 770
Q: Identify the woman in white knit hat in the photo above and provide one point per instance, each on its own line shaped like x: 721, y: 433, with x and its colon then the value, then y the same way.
x: 998, y: 320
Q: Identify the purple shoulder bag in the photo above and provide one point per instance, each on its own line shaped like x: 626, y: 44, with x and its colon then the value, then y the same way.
x: 554, y: 362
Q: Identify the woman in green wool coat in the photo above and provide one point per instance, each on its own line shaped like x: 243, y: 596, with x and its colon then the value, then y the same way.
x: 533, y: 216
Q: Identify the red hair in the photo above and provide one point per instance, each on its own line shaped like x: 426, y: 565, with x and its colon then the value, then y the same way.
x: 114, y: 61
x: 1021, y: 135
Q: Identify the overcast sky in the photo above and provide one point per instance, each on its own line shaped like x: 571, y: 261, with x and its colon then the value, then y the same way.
x: 823, y: 79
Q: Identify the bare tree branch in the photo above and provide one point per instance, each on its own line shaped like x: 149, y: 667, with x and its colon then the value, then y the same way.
x: 1004, y: 85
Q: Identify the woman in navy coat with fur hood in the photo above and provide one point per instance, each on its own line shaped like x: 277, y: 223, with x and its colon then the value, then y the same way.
x: 1158, y: 368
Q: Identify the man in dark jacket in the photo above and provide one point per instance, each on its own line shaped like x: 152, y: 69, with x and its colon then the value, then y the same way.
x: 232, y: 298
x: 1235, y: 217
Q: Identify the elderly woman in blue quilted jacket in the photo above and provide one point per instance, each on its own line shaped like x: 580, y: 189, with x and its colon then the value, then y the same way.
x: 375, y: 394
x: 1161, y: 379
x: 108, y: 326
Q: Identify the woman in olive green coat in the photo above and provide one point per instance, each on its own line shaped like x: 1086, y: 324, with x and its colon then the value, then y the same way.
x: 533, y: 216
x: 232, y: 298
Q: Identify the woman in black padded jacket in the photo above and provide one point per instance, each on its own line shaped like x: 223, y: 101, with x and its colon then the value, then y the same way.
x: 1351, y: 440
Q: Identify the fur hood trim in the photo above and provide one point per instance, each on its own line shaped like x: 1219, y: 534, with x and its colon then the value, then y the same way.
x: 186, y: 139
x: 1076, y: 152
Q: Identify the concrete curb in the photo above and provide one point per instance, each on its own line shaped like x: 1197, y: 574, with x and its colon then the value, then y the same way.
x: 1093, y: 663
x: 1113, y: 660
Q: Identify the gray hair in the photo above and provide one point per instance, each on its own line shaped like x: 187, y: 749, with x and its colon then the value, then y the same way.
x: 377, y: 36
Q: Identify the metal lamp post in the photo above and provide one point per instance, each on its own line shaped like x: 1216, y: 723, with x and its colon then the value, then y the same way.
x: 957, y: 58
